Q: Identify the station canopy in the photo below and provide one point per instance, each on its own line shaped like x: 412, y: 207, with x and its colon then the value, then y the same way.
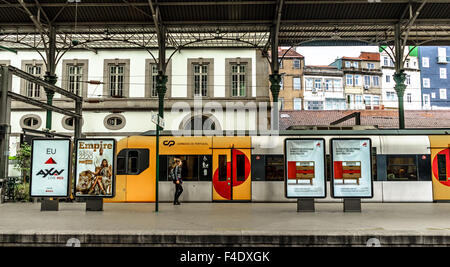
x: 98, y: 24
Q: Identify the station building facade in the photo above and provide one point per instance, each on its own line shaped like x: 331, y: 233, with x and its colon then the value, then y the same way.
x: 224, y: 89
x: 435, y: 67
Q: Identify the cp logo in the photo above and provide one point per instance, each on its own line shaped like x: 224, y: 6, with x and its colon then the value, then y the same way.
x: 169, y: 143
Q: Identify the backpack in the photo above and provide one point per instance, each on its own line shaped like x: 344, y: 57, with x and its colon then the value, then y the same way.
x: 172, y: 175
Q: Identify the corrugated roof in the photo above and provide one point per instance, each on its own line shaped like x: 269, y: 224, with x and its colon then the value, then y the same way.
x: 240, y: 23
x: 379, y: 118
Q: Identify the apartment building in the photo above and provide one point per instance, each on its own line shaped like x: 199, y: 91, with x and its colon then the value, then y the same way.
x: 323, y: 88
x: 291, y: 69
x: 412, y: 96
x: 362, y: 80
x: 434, y: 64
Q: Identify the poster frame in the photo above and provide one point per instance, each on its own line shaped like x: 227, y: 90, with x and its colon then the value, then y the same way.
x: 324, y: 166
x: 332, y: 168
x: 69, y: 171
x: 114, y: 169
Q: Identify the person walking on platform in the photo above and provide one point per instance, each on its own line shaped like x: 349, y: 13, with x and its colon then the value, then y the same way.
x: 175, y: 174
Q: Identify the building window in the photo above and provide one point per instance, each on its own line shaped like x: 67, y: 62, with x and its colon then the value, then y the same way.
x: 280, y: 64
x: 433, y: 95
x: 375, y: 80
x: 297, y: 83
x: 32, y: 89
x: 370, y: 66
x: 274, y: 168
x: 388, y: 78
x: 328, y: 85
x: 425, y: 62
x: 114, y: 121
x: 282, y: 83
x: 315, y: 105
x: 408, y: 98
x: 68, y: 123
x: 376, y: 100
x: 390, y: 95
x: 117, y: 77
x: 349, y: 79
x: 355, y: 65
x: 296, y: 63
x: 153, y: 76
x: 206, y: 123
x: 443, y: 93
x: 30, y: 121
x: 443, y: 73
x: 442, y: 55
x: 357, y: 80
x: 116, y: 80
x: 367, y: 80
x: 385, y: 61
x: 426, y: 82
x: 75, y: 79
x: 75, y: 76
x: 358, y: 99
x: 407, y: 63
x: 309, y: 83
x: 426, y: 100
x: 238, y: 80
x: 367, y: 100
x: 337, y: 85
x: 317, y: 84
x: 401, y: 168
x: 281, y: 103
x: 200, y: 80
x: 297, y: 103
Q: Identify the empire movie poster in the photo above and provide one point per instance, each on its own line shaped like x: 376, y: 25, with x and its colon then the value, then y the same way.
x: 95, y: 170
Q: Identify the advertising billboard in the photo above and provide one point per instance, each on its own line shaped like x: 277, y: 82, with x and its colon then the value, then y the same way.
x: 304, y: 164
x: 50, y: 167
x: 95, y: 168
x: 351, y: 168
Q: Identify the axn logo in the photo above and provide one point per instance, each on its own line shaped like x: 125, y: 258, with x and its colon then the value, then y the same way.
x: 52, y: 172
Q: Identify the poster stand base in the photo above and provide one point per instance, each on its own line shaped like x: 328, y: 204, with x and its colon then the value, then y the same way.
x: 94, y: 204
x: 352, y: 205
x: 305, y: 205
x: 48, y: 204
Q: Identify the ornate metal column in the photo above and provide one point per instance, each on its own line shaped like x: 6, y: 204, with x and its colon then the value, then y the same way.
x: 50, y: 76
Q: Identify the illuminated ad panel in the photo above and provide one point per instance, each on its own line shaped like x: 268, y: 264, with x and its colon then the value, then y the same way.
x: 351, y: 168
x: 95, y: 168
x: 304, y: 164
x: 50, y: 168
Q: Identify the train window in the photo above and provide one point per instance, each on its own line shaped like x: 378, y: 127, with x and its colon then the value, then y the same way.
x: 222, y: 168
x: 194, y: 167
x: 274, y: 168
x: 401, y: 168
x: 132, y: 161
x: 442, y: 167
x: 240, y: 167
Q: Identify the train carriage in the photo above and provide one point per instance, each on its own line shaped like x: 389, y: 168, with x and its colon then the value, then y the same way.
x: 407, y: 166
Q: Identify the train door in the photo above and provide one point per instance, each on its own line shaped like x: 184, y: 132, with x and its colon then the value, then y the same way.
x: 440, y: 166
x: 231, y: 169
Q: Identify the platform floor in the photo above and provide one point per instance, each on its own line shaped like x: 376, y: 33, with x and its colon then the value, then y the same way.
x: 226, y: 224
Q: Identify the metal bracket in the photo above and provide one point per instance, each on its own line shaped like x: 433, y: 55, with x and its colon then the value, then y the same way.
x: 305, y: 205
x: 352, y: 205
x: 94, y: 204
x: 49, y: 205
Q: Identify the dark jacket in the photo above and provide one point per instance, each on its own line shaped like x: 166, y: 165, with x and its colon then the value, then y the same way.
x: 177, y: 173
